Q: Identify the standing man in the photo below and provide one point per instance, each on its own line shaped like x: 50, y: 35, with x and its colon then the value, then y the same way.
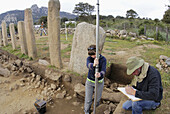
x: 92, y: 62
x: 148, y: 85
x: 42, y: 29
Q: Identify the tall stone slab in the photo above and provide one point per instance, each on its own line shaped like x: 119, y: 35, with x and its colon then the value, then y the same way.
x: 0, y: 39
x: 85, y: 35
x: 4, y: 33
x: 31, y: 43
x: 12, y: 34
x: 54, y: 32
x: 22, y: 37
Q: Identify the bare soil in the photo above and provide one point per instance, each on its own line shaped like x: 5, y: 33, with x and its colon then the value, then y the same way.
x: 21, y: 100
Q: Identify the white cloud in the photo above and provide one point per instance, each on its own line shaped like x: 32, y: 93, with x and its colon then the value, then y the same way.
x: 145, y: 8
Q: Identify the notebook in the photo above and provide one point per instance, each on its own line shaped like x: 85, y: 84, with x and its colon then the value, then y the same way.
x: 133, y: 98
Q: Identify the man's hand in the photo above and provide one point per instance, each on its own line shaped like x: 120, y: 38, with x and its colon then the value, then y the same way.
x: 96, y: 62
x: 129, y: 90
x: 97, y: 74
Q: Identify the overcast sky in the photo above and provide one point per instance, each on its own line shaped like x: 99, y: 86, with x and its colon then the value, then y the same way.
x: 144, y: 8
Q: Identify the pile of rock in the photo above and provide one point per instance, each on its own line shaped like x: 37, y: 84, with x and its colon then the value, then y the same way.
x: 68, y: 30
x: 56, y: 85
x: 123, y: 34
x: 164, y: 63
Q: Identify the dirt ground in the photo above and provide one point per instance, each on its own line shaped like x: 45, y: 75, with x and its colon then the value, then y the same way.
x: 21, y: 99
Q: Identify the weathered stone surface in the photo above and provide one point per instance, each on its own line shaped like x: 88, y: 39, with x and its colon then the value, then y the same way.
x: 132, y: 34
x: 119, y: 109
x: 112, y: 107
x: 123, y: 32
x: 31, y: 44
x: 168, y: 61
x: 43, y: 62
x: 133, y: 39
x: 67, y: 78
x: 4, y: 33
x: 54, y: 32
x: 163, y: 57
x: 101, y: 108
x: 18, y: 63
x: 12, y: 33
x: 80, y: 89
x: 158, y: 65
x: 22, y: 37
x: 4, y: 72
x: 76, y: 103
x: 85, y: 35
x: 52, y: 75
x: 0, y: 38
x: 69, y: 97
x: 61, y: 95
x: 114, y: 96
x: 53, y: 86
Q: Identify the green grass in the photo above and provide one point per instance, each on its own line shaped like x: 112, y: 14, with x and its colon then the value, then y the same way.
x: 117, y: 44
x: 16, y: 52
x: 152, y: 55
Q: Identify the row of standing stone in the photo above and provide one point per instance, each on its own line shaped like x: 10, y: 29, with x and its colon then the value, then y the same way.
x: 27, y: 37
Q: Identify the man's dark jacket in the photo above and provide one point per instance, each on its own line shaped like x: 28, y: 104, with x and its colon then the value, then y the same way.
x: 151, y: 86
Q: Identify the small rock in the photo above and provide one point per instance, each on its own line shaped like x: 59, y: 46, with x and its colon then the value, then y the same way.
x: 19, y: 63
x: 43, y: 62
x: 26, y: 75
x: 38, y: 77
x: 159, y: 66
x: 16, y: 86
x: 69, y: 97
x: 67, y: 78
x: 53, y: 86
x: 33, y: 75
x: 4, y: 72
x: 38, y: 84
x: 10, y: 89
x: 163, y: 57
x: 32, y: 80
x: 61, y: 95
x: 106, y: 112
x: 59, y: 89
x: 76, y: 103
x: 29, y: 70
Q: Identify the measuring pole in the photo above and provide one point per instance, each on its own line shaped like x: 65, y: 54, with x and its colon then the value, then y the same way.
x: 97, y: 55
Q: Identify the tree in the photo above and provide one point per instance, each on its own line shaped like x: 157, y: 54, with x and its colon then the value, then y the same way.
x: 83, y: 9
x: 43, y: 19
x: 131, y: 14
x: 166, y: 17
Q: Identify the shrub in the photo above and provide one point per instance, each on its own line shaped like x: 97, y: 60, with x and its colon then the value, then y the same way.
x: 141, y: 30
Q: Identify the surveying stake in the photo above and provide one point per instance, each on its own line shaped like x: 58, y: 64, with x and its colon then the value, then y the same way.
x: 97, y: 55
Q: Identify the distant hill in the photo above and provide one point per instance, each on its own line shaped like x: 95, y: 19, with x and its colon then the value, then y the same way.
x: 18, y: 15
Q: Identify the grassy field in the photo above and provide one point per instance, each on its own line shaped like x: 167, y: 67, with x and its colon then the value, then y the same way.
x: 148, y: 50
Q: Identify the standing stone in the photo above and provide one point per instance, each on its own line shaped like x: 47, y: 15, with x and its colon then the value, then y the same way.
x: 54, y: 32
x: 12, y: 33
x: 22, y: 37
x: 85, y: 35
x: 0, y: 39
x: 31, y: 44
x: 4, y: 33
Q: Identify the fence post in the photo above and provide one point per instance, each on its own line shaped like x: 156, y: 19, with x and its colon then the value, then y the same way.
x: 167, y: 34
x: 157, y: 33
x: 124, y: 27
x: 145, y: 30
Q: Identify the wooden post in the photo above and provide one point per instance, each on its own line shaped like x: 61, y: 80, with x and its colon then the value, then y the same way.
x: 167, y: 34
x: 157, y: 33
